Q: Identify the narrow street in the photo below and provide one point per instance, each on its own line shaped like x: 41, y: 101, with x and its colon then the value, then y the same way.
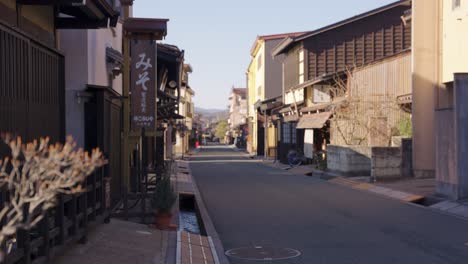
x: 252, y: 204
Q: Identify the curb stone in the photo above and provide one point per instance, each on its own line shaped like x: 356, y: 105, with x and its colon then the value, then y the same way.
x: 453, y: 208
x: 449, y: 207
x: 212, y: 234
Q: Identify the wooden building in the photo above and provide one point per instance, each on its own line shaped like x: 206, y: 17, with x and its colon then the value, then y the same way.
x: 32, y: 105
x: 363, y: 59
x: 169, y: 83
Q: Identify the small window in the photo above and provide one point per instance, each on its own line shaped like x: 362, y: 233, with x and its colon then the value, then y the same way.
x: 259, y: 61
x: 455, y: 4
x: 301, y: 66
x: 293, y: 133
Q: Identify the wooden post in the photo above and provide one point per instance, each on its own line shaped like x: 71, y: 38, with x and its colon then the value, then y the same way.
x: 60, y: 219
x: 24, y: 242
x: 143, y: 173
x: 74, y: 214
x: 93, y: 197
x: 126, y: 116
x: 103, y: 192
x: 44, y: 227
x: 83, y: 205
x: 24, y: 239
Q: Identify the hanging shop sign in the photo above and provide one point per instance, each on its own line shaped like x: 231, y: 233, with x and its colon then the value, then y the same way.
x: 143, y: 84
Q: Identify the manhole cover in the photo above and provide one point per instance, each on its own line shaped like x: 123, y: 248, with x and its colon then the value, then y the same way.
x: 259, y: 253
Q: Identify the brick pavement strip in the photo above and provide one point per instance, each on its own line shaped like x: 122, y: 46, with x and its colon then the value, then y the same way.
x: 194, y: 249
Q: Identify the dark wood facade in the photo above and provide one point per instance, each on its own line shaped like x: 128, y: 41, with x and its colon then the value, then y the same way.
x: 367, y: 39
x: 32, y: 100
x: 357, y: 44
x: 31, y: 87
x: 291, y: 139
x: 103, y: 127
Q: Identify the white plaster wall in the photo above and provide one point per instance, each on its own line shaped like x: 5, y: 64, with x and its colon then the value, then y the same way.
x: 294, y: 97
x: 99, y: 40
x: 260, y: 73
x: 455, y: 39
x: 74, y: 45
x: 85, y: 63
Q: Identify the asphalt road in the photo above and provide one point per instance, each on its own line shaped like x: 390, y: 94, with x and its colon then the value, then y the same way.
x: 255, y: 205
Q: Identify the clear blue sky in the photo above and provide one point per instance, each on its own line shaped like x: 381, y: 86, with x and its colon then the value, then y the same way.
x: 217, y: 35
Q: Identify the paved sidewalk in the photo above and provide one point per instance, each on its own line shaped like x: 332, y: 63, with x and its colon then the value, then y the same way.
x: 119, y: 242
x: 192, y: 248
x: 405, y: 190
x: 423, y: 187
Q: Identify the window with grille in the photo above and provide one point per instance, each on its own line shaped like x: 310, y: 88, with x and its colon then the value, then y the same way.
x: 286, y: 133
x: 293, y: 133
x: 259, y: 61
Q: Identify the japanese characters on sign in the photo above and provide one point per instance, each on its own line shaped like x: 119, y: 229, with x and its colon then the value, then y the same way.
x: 143, y: 84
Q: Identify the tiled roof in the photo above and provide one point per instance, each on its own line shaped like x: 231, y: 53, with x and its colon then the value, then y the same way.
x: 240, y: 91
x: 276, y: 36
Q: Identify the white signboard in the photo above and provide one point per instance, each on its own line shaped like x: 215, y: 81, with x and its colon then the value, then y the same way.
x: 321, y: 94
x: 309, y: 143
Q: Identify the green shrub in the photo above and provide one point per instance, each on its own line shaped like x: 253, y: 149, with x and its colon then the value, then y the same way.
x: 405, y: 127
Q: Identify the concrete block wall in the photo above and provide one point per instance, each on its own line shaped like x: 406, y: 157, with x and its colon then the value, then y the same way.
x: 349, y: 160
x: 385, y: 163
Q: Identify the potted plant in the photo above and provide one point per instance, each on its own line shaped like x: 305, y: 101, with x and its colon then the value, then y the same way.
x: 162, y: 201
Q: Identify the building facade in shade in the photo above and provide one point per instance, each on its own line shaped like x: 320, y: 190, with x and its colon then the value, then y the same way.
x: 34, y: 101
x: 93, y: 86
x: 264, y: 82
x: 171, y: 90
x: 34, y: 27
x: 439, y: 98
x: 237, y: 115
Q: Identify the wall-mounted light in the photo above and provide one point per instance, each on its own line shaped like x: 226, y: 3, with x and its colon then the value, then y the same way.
x: 173, y: 84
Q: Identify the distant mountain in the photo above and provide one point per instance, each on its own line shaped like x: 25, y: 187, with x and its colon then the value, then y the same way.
x: 212, y: 114
x: 202, y: 111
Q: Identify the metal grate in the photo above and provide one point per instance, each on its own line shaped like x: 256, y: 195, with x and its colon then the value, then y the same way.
x: 260, y: 253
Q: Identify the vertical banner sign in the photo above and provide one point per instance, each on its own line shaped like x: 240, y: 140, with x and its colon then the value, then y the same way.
x: 143, y: 84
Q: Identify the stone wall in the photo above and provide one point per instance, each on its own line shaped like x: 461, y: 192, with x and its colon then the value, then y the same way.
x: 386, y: 163
x: 349, y: 160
